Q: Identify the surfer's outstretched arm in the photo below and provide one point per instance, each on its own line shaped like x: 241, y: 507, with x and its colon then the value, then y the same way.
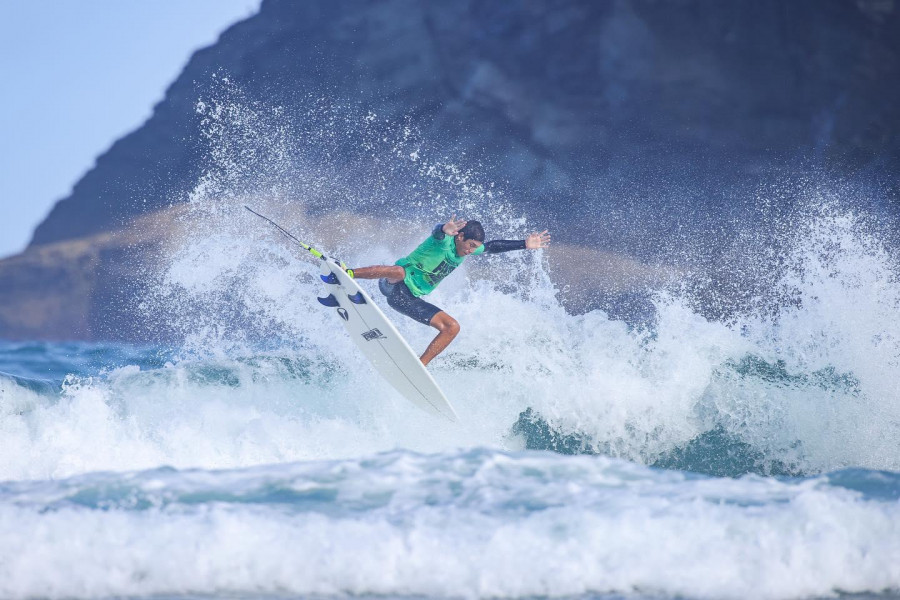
x: 537, y: 240
x: 532, y: 242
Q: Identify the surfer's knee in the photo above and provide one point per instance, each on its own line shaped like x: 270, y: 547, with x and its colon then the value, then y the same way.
x: 445, y: 324
x: 453, y: 326
x: 397, y: 274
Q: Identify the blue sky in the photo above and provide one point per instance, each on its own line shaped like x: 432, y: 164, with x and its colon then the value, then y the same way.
x: 76, y: 75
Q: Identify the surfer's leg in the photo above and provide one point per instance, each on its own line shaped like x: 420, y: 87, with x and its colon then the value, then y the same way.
x: 448, y: 328
x: 402, y: 300
x: 393, y: 273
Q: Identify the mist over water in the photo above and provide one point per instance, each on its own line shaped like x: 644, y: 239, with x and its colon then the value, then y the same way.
x: 800, y: 378
x: 776, y: 353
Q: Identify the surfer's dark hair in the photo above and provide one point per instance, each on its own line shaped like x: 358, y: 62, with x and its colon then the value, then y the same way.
x: 473, y: 231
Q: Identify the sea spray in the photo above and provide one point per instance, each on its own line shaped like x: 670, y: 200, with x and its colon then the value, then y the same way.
x: 801, y: 380
x: 799, y: 383
x: 646, y: 395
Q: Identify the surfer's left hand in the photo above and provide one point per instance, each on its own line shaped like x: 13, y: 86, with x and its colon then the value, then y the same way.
x: 537, y: 240
x: 453, y: 226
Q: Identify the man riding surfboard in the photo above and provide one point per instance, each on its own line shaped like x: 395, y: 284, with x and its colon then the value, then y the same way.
x: 416, y: 275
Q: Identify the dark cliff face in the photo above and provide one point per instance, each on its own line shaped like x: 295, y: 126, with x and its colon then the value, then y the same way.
x: 641, y: 116
x: 560, y: 96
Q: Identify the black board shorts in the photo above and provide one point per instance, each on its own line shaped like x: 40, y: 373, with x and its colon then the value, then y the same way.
x: 402, y: 300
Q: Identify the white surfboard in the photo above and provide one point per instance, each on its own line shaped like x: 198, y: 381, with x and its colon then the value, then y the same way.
x: 381, y: 343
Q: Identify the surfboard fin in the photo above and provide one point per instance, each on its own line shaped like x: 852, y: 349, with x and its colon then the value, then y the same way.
x: 330, y: 278
x: 330, y: 301
x: 356, y: 298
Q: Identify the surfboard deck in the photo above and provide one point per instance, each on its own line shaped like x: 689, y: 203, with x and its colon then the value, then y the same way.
x: 381, y: 343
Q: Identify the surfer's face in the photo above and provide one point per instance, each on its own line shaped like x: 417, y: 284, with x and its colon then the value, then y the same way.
x: 466, y: 247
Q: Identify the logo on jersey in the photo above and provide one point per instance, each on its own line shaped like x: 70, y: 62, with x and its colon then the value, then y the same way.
x: 437, y: 275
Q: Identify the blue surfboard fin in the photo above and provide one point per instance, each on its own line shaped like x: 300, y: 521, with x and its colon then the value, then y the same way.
x: 330, y: 301
x: 330, y: 278
x: 356, y: 298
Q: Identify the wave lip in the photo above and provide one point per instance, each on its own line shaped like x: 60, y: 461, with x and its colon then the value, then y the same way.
x: 468, y: 524
x: 19, y: 395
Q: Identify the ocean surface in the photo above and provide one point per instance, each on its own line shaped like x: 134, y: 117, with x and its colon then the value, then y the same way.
x: 684, y: 457
x: 692, y: 451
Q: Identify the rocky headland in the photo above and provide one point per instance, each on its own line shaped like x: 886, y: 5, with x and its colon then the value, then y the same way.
x: 622, y: 125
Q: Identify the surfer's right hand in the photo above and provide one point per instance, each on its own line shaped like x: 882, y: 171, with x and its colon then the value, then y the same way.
x: 453, y: 226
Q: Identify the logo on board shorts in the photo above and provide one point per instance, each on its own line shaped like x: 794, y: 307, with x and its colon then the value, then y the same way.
x: 373, y: 334
x: 343, y: 313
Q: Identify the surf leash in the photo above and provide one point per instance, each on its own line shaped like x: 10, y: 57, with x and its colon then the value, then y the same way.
x: 306, y: 246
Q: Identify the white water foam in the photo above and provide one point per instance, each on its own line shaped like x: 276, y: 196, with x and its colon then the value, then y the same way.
x: 231, y: 286
x: 635, y: 394
x: 468, y: 525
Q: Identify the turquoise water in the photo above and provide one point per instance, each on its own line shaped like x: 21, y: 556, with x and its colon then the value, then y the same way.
x: 134, y: 472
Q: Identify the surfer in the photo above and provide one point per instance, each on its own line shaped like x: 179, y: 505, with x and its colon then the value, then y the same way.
x: 405, y: 282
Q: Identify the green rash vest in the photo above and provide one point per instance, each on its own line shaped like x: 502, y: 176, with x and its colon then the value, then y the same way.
x: 434, y: 259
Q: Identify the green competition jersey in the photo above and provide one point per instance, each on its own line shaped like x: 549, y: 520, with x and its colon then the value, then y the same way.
x: 434, y: 259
